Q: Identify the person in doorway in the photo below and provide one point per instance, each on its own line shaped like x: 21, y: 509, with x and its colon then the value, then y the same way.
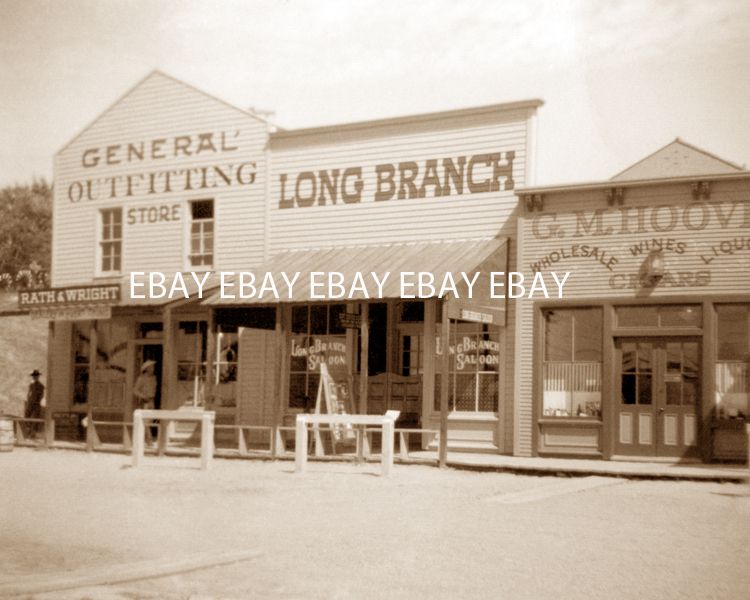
x: 34, y: 402
x: 144, y: 391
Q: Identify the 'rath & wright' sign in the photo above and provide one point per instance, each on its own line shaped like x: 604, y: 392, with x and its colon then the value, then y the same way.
x: 85, y: 295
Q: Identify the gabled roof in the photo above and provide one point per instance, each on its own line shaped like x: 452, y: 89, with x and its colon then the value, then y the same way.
x: 677, y: 159
x: 153, y: 74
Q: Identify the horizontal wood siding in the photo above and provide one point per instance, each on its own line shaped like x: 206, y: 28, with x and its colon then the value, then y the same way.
x: 368, y: 221
x: 161, y: 108
x: 695, y: 264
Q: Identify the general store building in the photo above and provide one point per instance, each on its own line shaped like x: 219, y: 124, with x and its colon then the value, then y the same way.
x: 170, y: 179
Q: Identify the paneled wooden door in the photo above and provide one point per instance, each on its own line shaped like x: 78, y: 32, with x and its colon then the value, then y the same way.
x: 657, y: 397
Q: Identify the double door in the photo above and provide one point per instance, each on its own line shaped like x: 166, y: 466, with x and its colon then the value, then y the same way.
x: 658, y: 396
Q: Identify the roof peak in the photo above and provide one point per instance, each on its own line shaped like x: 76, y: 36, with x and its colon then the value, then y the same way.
x: 678, y: 158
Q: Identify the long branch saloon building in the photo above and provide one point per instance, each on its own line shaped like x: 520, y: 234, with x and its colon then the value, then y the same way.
x: 172, y: 180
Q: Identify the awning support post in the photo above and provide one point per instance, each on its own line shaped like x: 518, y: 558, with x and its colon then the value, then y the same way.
x: 444, y: 382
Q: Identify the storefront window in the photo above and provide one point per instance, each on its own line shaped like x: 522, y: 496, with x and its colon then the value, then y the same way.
x: 108, y: 382
x: 191, y: 361
x: 733, y: 360
x: 474, y: 367
x: 225, y: 366
x: 317, y: 336
x: 81, y: 361
x: 572, y: 362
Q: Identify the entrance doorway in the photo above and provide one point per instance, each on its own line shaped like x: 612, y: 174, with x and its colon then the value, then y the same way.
x: 151, y: 351
x: 658, y: 393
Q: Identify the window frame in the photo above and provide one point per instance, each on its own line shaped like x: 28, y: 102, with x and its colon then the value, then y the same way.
x: 101, y: 241
x: 188, y: 236
x: 558, y: 368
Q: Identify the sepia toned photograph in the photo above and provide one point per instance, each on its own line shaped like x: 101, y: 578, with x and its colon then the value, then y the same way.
x: 329, y: 299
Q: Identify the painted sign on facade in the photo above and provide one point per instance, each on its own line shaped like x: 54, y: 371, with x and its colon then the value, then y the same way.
x: 695, y: 242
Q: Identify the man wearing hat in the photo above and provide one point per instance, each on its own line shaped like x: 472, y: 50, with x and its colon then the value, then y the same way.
x: 144, y: 391
x: 34, y: 398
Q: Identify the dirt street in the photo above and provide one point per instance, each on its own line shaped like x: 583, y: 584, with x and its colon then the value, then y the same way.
x: 342, y: 531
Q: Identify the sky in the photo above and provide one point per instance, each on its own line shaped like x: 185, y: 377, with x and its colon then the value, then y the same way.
x: 619, y: 79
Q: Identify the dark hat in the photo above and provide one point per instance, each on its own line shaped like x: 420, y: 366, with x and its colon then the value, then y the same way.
x: 35, y: 373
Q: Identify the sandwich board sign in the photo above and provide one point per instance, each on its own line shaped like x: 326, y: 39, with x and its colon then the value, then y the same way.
x: 334, y: 398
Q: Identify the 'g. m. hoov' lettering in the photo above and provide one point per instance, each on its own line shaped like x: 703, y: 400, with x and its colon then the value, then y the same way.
x: 433, y: 177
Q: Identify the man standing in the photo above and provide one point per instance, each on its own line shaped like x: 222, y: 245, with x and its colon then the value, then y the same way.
x: 34, y: 399
x: 144, y: 391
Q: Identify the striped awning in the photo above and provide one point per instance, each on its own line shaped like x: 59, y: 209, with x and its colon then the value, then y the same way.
x: 438, y: 258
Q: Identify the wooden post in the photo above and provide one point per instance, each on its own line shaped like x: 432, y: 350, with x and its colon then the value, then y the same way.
x: 387, y: 444
x: 49, y: 423
x: 279, y: 349
x: 89, y: 430
x: 364, y: 329
x: 444, y: 380
x: 167, y: 372
x: 138, y: 437
x: 207, y: 439
x: 127, y: 444
x: 300, y: 445
x: 162, y: 435
x: 208, y: 386
x: 242, y: 442
x: 403, y: 445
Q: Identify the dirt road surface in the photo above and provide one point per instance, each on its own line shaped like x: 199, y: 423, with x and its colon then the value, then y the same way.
x: 341, y: 531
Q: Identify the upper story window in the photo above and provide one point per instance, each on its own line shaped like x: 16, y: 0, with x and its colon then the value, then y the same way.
x: 201, y: 239
x: 110, y: 241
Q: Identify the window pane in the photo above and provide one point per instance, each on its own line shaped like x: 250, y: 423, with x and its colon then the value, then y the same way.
x: 637, y: 316
x: 203, y: 209
x: 733, y: 336
x: 318, y: 319
x: 558, y: 335
x: 680, y: 316
x: 299, y: 319
x: 588, y: 335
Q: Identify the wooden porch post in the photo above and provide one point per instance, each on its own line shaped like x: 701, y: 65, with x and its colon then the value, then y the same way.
x: 166, y: 359
x: 208, y: 386
x: 364, y: 329
x: 444, y: 381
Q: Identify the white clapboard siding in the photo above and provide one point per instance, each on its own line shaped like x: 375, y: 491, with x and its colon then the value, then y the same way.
x: 160, y: 107
x: 368, y: 221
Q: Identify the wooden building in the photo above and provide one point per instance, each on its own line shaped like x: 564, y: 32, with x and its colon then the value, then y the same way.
x: 172, y: 180
x: 647, y: 354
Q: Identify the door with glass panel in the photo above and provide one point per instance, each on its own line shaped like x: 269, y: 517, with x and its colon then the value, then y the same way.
x: 658, y: 395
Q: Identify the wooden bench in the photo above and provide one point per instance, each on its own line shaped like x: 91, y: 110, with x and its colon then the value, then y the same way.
x: 206, y: 419
x: 386, y: 422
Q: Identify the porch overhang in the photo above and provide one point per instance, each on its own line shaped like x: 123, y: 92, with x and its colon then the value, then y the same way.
x: 470, y: 256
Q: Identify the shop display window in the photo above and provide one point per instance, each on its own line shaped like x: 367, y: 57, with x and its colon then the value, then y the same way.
x: 108, y: 381
x: 572, y: 368
x: 81, y: 361
x: 190, y: 345
x: 733, y: 361
x: 317, y: 336
x: 474, y: 367
x: 225, y: 366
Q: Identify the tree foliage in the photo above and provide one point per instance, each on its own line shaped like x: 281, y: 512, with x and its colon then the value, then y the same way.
x: 25, y: 234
